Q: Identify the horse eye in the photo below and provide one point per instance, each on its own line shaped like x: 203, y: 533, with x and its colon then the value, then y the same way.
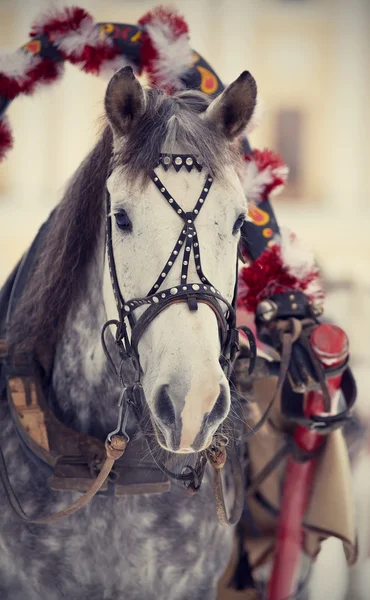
x: 123, y: 221
x: 238, y: 223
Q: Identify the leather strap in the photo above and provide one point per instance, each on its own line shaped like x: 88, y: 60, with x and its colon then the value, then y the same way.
x: 217, y: 458
x: 114, y: 450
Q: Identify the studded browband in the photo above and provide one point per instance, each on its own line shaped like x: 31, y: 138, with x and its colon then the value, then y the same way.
x: 180, y: 160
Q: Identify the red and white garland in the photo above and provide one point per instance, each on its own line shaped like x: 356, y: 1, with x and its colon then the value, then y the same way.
x: 287, y: 265
x: 165, y: 56
x: 165, y: 49
x: 264, y: 174
x: 6, y: 138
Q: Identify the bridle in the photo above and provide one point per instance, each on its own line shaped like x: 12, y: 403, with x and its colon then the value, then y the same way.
x: 130, y: 329
x: 128, y: 333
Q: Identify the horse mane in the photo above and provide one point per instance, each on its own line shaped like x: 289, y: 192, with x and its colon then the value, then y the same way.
x: 60, y: 273
x: 59, y: 276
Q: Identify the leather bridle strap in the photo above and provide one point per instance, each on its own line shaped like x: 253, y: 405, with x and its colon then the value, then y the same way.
x: 158, y: 298
x: 114, y: 450
x: 185, y: 296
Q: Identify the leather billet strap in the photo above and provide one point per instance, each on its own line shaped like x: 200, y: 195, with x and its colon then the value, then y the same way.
x: 114, y: 450
x: 284, y: 335
x: 325, y: 424
x: 217, y: 458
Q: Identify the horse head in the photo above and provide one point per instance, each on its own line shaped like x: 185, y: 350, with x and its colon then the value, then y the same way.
x: 186, y: 389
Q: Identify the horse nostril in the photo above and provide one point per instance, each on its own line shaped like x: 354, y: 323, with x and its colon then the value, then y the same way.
x: 163, y: 407
x: 220, y: 409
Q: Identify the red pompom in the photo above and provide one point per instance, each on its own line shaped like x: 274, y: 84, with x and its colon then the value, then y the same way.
x: 269, y: 275
x: 10, y: 87
x: 66, y: 20
x: 163, y: 15
x: 44, y: 71
x: 265, y: 173
x: 173, y: 24
x: 92, y: 57
x: 6, y: 138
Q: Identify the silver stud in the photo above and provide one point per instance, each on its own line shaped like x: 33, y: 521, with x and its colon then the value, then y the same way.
x: 204, y: 287
x: 127, y: 308
x: 198, y: 268
x: 190, y: 235
x: 184, y: 287
x: 196, y: 211
x: 178, y: 160
x: 189, y: 220
x: 187, y: 248
x: 201, y: 200
x: 156, y: 286
x: 195, y: 286
x: 155, y: 299
x: 185, y: 262
x: 175, y: 252
x: 173, y: 291
x: 266, y: 310
x: 163, y: 189
x: 206, y: 189
x: 163, y: 275
x: 170, y: 263
x: 163, y: 295
x: 183, y: 276
x: 179, y: 211
x: 210, y: 179
x: 181, y: 242
x: 197, y: 256
x: 204, y: 279
x: 166, y: 160
x: 213, y: 289
x: 183, y: 231
x: 196, y: 245
x: 155, y: 178
x: 171, y: 201
x: 189, y: 161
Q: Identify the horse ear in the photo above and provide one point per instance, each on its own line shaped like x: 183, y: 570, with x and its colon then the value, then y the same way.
x: 124, y: 101
x: 234, y: 107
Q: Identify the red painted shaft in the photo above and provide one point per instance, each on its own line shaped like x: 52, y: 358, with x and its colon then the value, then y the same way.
x: 330, y: 344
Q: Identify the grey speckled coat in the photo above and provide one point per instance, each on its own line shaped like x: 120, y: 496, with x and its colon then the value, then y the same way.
x: 162, y: 547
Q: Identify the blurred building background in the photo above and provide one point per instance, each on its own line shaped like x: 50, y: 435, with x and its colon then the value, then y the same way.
x: 311, y: 60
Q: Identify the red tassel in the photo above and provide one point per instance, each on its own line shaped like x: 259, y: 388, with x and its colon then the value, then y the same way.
x: 68, y: 19
x: 266, y: 276
x: 162, y: 14
x: 45, y: 71
x: 6, y: 138
x: 92, y: 58
x: 273, y: 164
x: 148, y: 52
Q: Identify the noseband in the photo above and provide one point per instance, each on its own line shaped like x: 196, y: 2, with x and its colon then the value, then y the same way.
x: 159, y: 298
